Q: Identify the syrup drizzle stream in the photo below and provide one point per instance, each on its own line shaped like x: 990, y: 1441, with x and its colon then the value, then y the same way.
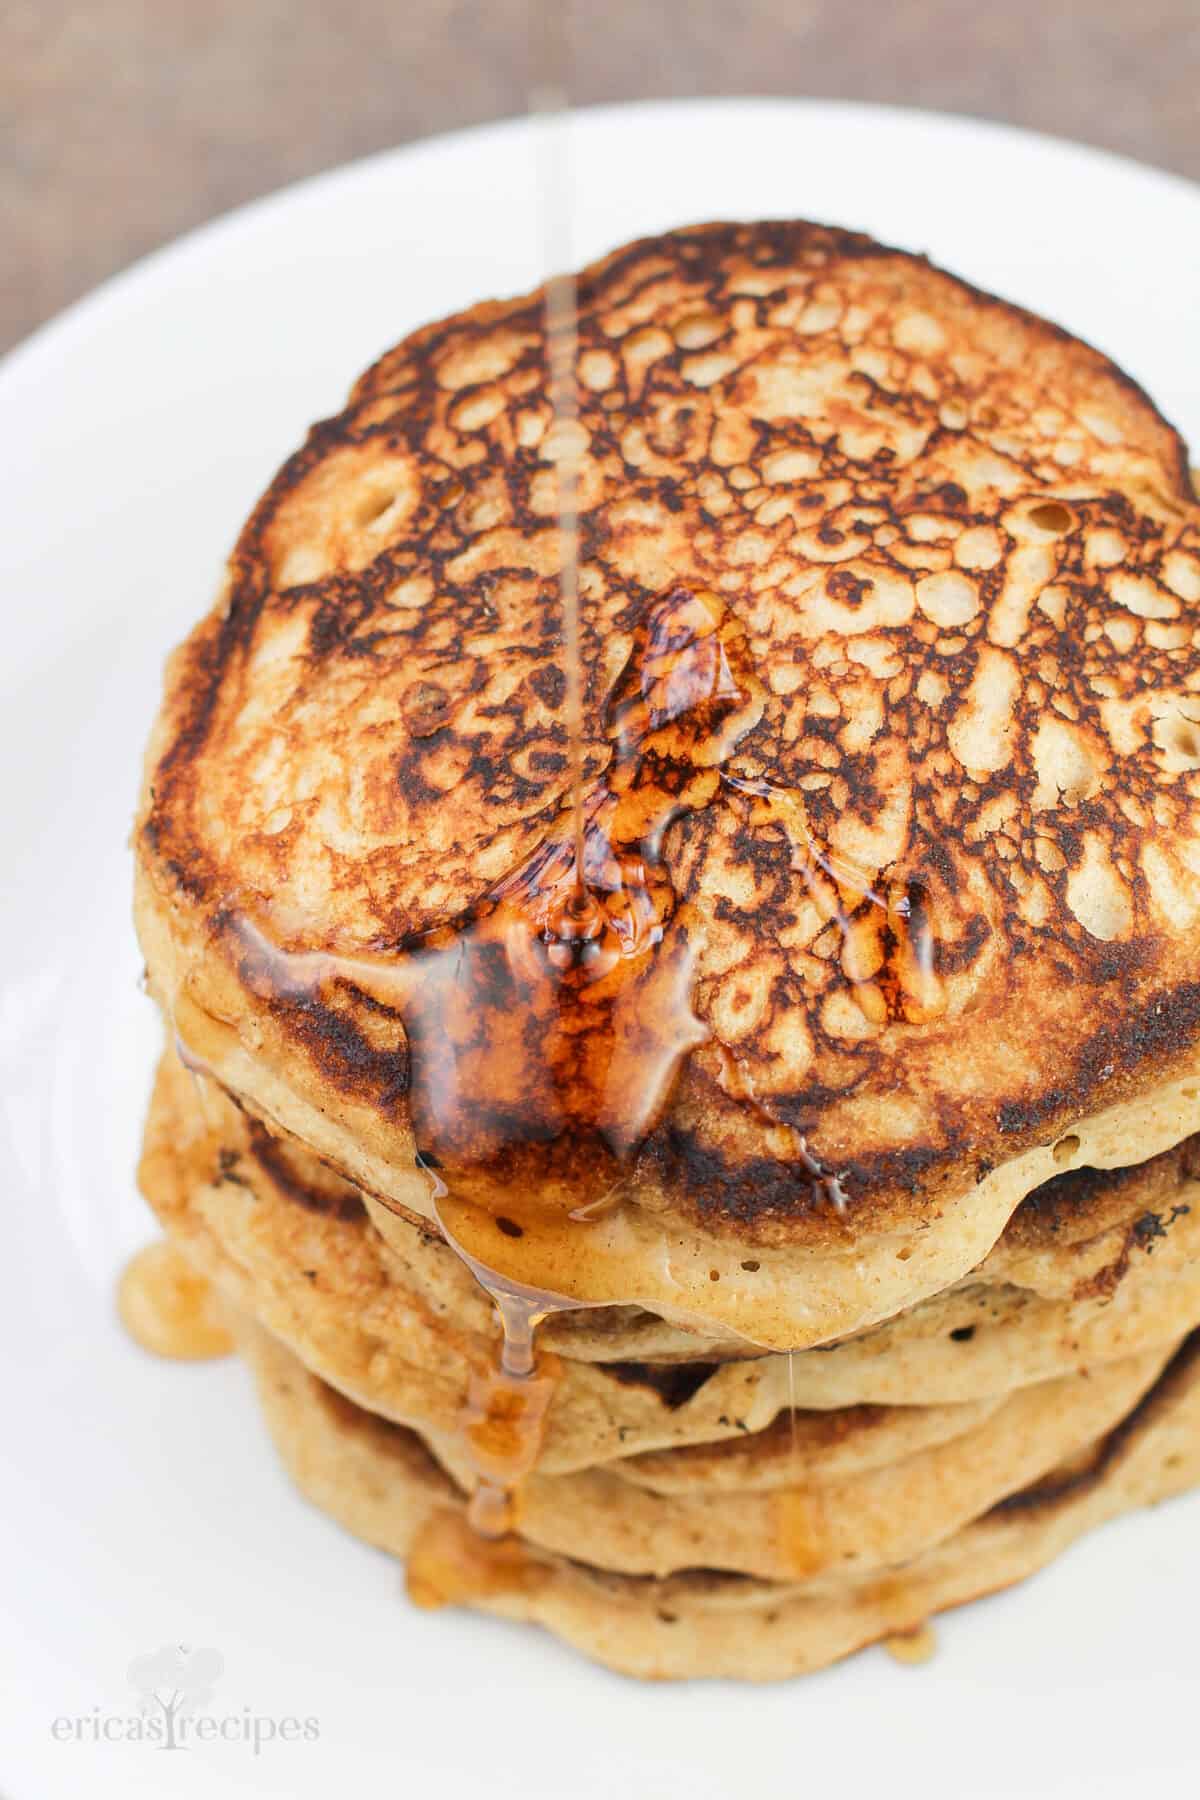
x: 561, y: 319
x: 589, y: 936
x: 795, y: 1440
x: 505, y: 1414
x: 783, y: 1140
x: 504, y: 1419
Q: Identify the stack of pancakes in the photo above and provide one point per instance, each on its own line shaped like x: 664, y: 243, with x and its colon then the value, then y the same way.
x: 886, y: 1294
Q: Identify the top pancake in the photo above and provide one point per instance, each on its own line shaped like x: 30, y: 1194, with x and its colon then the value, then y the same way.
x: 965, y: 557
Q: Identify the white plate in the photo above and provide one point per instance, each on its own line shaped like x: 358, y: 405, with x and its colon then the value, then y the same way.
x: 142, y: 1504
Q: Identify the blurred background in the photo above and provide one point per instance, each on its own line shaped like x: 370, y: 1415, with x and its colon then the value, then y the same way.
x: 125, y: 122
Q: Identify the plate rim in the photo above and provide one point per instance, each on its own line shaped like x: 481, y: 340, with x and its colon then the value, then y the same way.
x: 90, y: 307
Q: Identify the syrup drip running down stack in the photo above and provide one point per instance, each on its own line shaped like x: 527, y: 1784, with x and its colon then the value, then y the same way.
x: 598, y: 923
x: 587, y: 939
x: 506, y: 1407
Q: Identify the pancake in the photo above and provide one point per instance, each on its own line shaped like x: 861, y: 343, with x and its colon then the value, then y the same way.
x: 402, y: 1336
x: 809, y: 1521
x: 927, y: 881
x: 381, y: 1484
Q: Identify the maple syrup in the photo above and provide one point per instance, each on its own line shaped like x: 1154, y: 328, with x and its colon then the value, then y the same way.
x: 610, y: 994
x: 802, y: 1532
x: 454, y: 1560
x: 504, y: 1419
x: 544, y: 1036
x: 782, y: 1140
x: 450, y: 1564
x: 912, y: 1647
x: 561, y: 350
x: 168, y: 1308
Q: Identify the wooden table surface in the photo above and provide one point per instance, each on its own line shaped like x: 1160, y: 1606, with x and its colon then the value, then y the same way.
x: 124, y: 122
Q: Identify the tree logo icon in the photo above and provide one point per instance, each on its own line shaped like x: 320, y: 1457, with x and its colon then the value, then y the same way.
x: 173, y: 1683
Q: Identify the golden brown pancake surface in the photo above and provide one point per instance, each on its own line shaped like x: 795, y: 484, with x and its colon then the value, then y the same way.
x: 380, y: 1484
x: 963, y: 554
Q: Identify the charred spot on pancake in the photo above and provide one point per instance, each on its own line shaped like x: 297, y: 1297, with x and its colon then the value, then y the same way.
x: 228, y: 1170
x: 674, y: 1383
x: 759, y: 1193
x: 1152, y: 1226
x: 298, y: 1179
